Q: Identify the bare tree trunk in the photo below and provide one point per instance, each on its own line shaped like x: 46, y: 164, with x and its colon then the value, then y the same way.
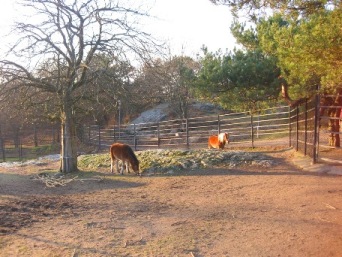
x: 68, y: 142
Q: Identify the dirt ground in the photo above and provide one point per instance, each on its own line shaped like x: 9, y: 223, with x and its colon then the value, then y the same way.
x: 245, y: 211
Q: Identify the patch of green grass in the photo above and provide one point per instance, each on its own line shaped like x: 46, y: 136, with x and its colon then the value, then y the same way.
x: 45, y: 149
x: 93, y: 161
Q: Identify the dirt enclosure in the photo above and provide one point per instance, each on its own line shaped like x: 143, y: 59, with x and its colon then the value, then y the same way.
x: 240, y: 211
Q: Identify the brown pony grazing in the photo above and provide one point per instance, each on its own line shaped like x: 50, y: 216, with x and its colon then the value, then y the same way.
x: 218, y: 141
x: 124, y: 153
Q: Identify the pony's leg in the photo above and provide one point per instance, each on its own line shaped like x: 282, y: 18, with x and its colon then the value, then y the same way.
x: 122, y: 166
x: 117, y: 165
x: 127, y: 167
x: 111, y: 164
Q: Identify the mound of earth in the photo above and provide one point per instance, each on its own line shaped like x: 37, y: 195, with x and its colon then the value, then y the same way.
x: 164, y: 112
x: 169, y: 161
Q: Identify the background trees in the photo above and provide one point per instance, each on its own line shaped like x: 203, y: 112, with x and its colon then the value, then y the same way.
x: 242, y: 80
x: 304, y: 38
x: 56, y: 51
x: 170, y: 81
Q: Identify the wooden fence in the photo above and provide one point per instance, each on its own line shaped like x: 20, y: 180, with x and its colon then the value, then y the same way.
x: 245, y: 129
x: 310, y: 132
x: 25, y: 143
x: 304, y: 128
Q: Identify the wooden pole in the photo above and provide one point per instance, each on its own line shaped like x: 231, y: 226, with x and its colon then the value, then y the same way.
x: 252, y: 130
x: 316, y: 130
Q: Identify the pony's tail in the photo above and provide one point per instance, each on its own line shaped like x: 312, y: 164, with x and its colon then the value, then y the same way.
x: 111, y: 152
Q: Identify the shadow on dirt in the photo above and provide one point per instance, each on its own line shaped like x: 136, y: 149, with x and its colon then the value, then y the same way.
x: 24, y: 199
x: 24, y: 185
x: 78, y: 251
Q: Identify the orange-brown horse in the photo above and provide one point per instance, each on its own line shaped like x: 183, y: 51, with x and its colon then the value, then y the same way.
x: 124, y: 153
x: 218, y: 141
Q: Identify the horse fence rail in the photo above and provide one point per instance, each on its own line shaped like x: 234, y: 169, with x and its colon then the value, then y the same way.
x: 302, y: 128
x: 244, y: 128
x: 309, y: 128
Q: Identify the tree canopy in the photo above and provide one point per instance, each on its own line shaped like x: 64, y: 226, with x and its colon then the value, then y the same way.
x: 309, y: 51
x: 239, y: 80
x: 261, y: 8
x: 304, y: 36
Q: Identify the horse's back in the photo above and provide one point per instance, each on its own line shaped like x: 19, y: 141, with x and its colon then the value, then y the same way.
x: 213, y: 142
x: 120, y: 151
x: 218, y: 141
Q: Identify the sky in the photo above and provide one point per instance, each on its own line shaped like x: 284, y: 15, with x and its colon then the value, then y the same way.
x: 186, y: 25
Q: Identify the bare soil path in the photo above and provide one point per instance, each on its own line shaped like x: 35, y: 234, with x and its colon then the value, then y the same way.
x: 245, y: 211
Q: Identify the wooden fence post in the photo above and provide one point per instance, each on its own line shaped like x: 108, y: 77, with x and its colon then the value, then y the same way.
x: 99, y: 137
x: 135, y: 138
x: 316, y: 130
x: 252, y: 130
x: 16, y: 138
x: 297, y: 128
x: 53, y: 134
x: 290, y: 128
x: 306, y: 127
x: 113, y: 133
x: 3, y: 149
x: 187, y: 132
x: 35, y: 136
x: 158, y: 134
x: 19, y: 150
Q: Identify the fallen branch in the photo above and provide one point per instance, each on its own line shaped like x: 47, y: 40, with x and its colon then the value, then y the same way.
x: 97, y: 178
x: 51, y: 181
x: 54, y: 181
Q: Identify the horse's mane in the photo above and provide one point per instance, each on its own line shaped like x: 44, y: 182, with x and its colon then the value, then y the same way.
x: 131, y: 153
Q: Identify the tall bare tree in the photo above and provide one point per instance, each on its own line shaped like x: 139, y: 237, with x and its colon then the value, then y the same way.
x: 56, y: 47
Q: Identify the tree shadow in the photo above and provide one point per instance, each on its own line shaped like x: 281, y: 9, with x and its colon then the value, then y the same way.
x: 78, y: 182
x: 77, y: 248
x: 24, y: 199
